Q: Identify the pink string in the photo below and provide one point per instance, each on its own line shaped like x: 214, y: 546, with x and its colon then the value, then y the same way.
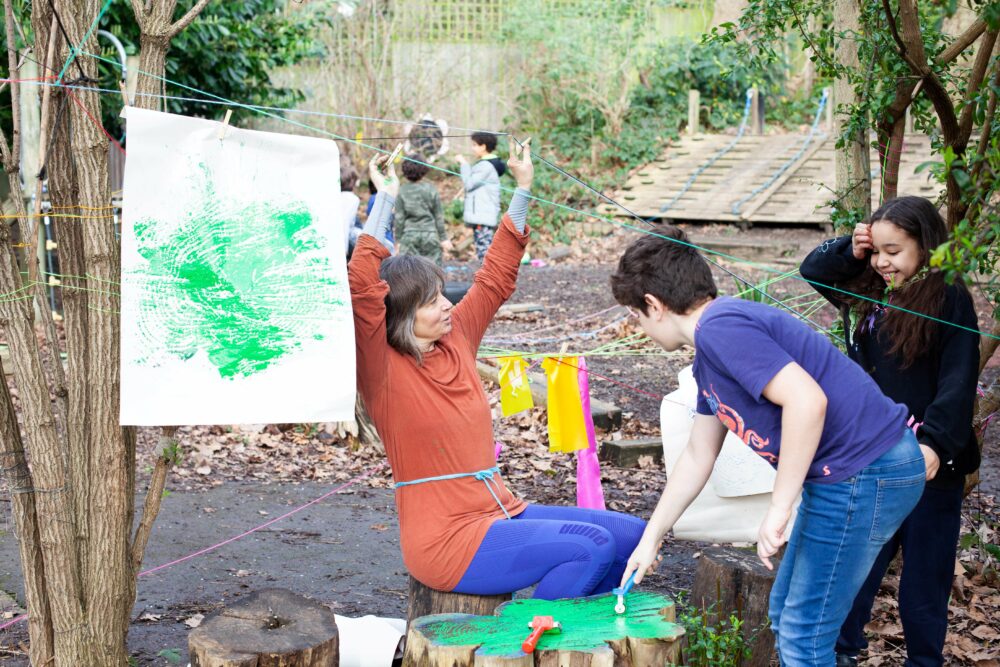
x: 326, y: 495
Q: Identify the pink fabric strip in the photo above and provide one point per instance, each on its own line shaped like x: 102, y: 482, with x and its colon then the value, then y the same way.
x: 589, y: 493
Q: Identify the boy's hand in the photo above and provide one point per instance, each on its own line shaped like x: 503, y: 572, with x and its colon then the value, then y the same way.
x: 772, y: 533
x: 446, y: 245
x: 460, y: 158
x: 520, y: 164
x: 861, y: 240
x: 383, y: 175
x: 643, y: 561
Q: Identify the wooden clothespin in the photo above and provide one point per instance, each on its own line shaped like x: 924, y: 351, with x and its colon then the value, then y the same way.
x: 121, y: 87
x: 125, y: 102
x: 395, y: 154
x: 225, y: 124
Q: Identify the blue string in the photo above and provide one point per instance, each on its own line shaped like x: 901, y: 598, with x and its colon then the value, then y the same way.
x: 793, y: 160
x: 714, y: 158
x: 484, y: 476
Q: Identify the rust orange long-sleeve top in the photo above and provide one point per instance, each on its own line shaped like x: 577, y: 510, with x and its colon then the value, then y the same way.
x: 434, y: 418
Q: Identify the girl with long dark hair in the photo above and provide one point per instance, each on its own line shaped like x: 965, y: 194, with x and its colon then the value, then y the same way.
x: 874, y: 277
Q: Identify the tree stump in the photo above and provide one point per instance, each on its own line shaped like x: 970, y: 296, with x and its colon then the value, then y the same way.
x: 270, y: 628
x: 734, y: 581
x: 425, y: 601
x: 592, y: 635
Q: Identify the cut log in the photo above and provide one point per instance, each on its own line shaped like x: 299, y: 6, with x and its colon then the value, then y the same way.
x: 559, y: 252
x: 592, y: 635
x: 518, y: 308
x: 626, y: 453
x: 270, y: 628
x: 734, y: 581
x: 425, y: 601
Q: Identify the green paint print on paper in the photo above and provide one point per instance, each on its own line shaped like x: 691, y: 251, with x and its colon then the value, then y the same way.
x: 246, y: 283
x: 587, y: 624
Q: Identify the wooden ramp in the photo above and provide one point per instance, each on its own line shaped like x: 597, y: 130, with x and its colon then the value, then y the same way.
x: 759, y: 180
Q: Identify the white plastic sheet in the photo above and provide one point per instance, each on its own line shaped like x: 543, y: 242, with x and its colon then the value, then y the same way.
x: 732, y: 505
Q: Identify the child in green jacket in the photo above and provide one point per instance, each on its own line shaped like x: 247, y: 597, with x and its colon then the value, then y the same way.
x: 419, y: 214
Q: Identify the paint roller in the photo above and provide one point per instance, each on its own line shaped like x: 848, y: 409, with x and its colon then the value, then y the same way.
x: 539, y: 625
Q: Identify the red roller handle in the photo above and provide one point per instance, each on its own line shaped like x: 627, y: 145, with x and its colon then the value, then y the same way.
x: 529, y: 644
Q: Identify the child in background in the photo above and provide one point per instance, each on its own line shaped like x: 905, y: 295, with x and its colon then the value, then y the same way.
x: 932, y: 369
x: 419, y: 214
x: 348, y: 202
x: 482, y: 190
x: 797, y: 402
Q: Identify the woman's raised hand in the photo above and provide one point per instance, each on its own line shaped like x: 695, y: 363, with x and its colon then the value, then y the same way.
x: 520, y: 164
x: 383, y: 175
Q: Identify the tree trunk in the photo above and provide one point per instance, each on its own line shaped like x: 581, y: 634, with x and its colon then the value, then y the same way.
x: 424, y: 601
x: 734, y: 581
x: 49, y: 484
x: 109, y: 509
x: 69, y: 241
x: 272, y: 627
x: 891, y: 135
x: 853, y: 184
x: 592, y: 635
x: 152, y: 61
x: 18, y: 478
x: 367, y: 433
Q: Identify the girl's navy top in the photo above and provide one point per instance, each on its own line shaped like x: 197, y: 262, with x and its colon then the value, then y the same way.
x: 939, y: 387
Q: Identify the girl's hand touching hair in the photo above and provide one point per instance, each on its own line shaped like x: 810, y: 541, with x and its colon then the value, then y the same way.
x: 861, y: 240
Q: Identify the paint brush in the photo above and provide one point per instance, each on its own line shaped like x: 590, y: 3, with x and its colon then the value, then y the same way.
x: 622, y: 592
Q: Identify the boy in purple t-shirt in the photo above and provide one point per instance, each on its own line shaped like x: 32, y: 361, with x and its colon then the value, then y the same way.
x: 804, y: 407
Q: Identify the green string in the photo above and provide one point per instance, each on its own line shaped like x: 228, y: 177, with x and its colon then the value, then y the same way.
x: 74, y: 51
x: 717, y: 253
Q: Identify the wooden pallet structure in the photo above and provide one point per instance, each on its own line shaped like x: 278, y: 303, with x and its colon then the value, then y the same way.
x: 760, y: 179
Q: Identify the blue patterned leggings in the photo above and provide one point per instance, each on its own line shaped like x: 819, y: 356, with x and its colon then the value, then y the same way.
x: 568, y: 551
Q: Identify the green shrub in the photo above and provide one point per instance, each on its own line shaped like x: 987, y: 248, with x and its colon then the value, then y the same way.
x: 713, y: 643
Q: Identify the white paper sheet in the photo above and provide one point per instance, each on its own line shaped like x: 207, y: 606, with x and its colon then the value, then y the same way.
x: 235, y: 303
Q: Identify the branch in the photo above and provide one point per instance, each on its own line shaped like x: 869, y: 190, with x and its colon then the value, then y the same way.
x: 15, y: 88
x: 988, y: 346
x: 911, y: 50
x: 154, y: 495
x: 140, y: 11
x: 962, y: 42
x: 985, y: 135
x: 976, y: 77
x: 186, y: 20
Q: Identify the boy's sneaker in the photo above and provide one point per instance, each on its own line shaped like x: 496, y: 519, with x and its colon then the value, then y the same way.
x: 844, y: 660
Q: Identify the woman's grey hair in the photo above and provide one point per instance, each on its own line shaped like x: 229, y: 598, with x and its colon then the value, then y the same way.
x: 413, y: 282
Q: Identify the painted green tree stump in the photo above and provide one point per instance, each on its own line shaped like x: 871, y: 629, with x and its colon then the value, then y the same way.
x: 592, y: 635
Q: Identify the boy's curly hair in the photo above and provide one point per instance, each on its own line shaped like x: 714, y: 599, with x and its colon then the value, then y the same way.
x: 665, y: 265
x: 415, y: 167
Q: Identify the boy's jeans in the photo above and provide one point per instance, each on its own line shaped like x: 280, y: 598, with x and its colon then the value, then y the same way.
x: 839, y: 530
